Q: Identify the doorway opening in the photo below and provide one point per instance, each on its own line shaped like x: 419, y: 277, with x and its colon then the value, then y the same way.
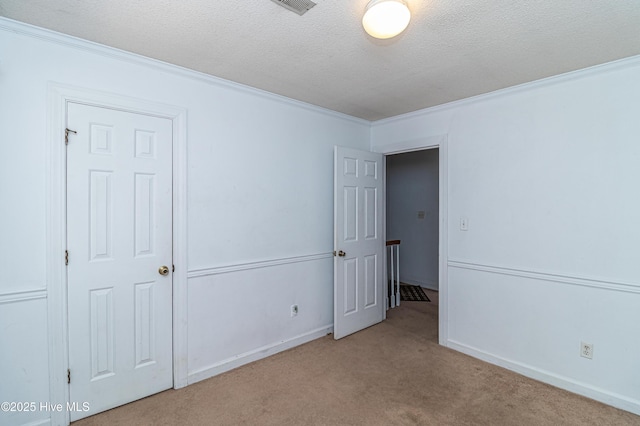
x: 412, y: 219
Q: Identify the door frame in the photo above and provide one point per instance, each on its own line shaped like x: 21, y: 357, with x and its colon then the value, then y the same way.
x: 432, y: 142
x: 58, y: 96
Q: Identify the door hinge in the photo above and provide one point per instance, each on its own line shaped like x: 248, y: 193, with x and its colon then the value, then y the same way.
x: 66, y: 257
x: 173, y: 268
x: 68, y: 376
x: 66, y: 135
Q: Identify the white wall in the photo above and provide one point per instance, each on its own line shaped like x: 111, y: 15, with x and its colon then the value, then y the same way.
x: 260, y: 215
x: 412, y: 186
x: 547, y: 175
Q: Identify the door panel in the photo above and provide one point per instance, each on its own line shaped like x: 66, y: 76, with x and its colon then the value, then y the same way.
x: 119, y: 232
x: 358, y: 283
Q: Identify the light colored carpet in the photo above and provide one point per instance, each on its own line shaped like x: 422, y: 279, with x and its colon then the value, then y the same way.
x: 393, y: 373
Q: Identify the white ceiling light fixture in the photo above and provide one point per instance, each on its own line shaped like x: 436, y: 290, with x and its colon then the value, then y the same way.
x: 386, y: 18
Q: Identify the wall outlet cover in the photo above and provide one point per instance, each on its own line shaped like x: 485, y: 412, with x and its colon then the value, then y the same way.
x: 586, y: 350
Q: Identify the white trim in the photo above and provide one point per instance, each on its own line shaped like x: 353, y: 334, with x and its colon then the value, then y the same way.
x: 180, y: 247
x: 81, y: 44
x: 256, y: 354
x: 411, y: 145
x: 431, y: 285
x: 562, y: 382
x: 385, y: 271
x: 38, y: 422
x: 442, y: 143
x: 99, y: 49
x: 547, y: 276
x: 112, y: 52
x: 620, y: 64
x: 443, y: 243
x: 23, y: 296
x: 56, y: 232
x: 217, y: 270
x: 58, y: 97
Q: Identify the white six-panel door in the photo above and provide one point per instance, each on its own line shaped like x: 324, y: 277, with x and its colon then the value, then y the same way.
x: 358, y: 241
x: 119, y: 233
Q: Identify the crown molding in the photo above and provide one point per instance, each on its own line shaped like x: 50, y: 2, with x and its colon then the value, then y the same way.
x: 134, y: 58
x: 620, y: 64
x: 51, y: 36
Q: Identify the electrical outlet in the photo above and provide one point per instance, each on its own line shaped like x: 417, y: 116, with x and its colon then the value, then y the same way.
x: 586, y: 350
x: 294, y: 310
x: 464, y: 224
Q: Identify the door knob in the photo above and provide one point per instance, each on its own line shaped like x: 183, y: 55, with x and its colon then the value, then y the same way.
x: 163, y: 270
x: 341, y: 253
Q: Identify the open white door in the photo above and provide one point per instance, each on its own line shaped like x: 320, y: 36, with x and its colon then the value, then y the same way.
x: 358, y: 241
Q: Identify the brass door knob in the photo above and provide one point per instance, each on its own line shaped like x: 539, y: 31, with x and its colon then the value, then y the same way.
x: 341, y: 253
x: 163, y: 270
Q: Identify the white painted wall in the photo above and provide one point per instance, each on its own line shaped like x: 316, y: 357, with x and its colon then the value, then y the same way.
x: 547, y: 175
x: 259, y: 190
x: 412, y: 186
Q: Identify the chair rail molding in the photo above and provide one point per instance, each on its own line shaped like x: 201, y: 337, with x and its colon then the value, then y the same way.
x: 547, y: 276
x: 216, y: 270
x: 23, y: 296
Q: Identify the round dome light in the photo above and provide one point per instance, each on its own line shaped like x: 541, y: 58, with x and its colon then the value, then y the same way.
x: 386, y: 18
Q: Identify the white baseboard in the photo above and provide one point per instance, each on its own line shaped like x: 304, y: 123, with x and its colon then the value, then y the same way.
x: 38, y: 422
x: 431, y: 285
x: 256, y: 354
x: 601, y: 395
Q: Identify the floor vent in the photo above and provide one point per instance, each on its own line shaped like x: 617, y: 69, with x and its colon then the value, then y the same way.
x: 298, y: 6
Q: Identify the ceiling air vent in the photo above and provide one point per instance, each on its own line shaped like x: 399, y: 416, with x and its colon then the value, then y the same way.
x: 298, y: 6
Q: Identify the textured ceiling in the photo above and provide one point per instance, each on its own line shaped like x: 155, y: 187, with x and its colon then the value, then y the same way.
x: 451, y: 50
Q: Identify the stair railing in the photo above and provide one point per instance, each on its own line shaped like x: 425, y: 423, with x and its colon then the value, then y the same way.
x: 393, y: 289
